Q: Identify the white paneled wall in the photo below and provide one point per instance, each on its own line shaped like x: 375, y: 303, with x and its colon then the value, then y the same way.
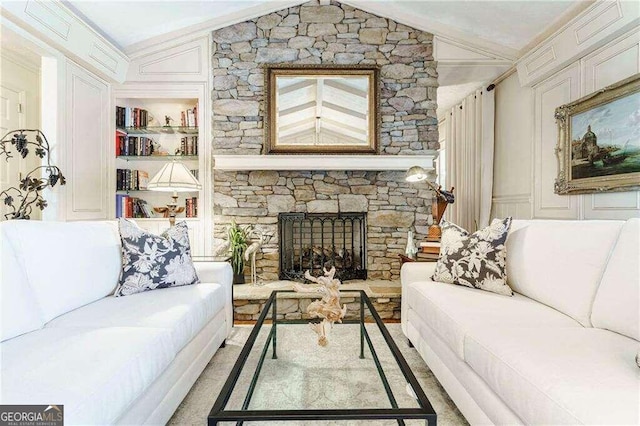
x: 513, y: 150
x: 603, y: 67
x: 560, y: 89
x: 87, y: 146
x: 526, y: 136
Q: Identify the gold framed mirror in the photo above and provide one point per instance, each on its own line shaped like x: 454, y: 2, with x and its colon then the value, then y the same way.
x: 323, y: 109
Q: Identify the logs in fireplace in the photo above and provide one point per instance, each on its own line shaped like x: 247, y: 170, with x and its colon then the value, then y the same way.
x: 313, y: 241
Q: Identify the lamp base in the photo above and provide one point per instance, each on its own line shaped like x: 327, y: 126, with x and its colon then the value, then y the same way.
x: 172, y: 207
x: 434, y: 232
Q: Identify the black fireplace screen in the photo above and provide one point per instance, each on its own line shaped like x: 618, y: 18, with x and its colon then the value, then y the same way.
x: 313, y: 241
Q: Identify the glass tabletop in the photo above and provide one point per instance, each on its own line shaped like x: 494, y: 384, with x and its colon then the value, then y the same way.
x: 282, y: 374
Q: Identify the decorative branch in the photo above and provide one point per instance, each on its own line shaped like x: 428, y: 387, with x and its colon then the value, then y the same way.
x: 328, y: 308
x: 23, y: 199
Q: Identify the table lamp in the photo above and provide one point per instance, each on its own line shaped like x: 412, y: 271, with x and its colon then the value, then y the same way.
x: 174, y: 177
x: 440, y: 202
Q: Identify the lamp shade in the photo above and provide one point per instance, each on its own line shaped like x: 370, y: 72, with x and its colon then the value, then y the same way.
x: 174, y: 177
x: 416, y: 174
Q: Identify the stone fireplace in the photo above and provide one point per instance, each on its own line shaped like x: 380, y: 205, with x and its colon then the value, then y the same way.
x: 393, y: 207
x: 324, y: 34
x: 316, y: 241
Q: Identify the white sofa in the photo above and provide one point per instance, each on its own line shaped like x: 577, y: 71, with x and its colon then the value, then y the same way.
x: 67, y: 340
x: 561, y: 350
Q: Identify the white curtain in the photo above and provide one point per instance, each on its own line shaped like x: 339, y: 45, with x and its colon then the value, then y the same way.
x: 469, y: 128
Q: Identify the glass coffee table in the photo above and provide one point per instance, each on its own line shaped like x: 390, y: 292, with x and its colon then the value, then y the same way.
x: 283, y: 375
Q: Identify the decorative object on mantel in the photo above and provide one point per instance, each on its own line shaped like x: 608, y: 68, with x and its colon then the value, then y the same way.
x: 599, y: 141
x: 440, y: 202
x: 173, y: 177
x: 262, y: 238
x: 22, y: 200
x: 328, y: 308
x: 321, y: 109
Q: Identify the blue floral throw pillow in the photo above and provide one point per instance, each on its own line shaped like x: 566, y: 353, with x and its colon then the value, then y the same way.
x: 477, y: 260
x: 150, y: 261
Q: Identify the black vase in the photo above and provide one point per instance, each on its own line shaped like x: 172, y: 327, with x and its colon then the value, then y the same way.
x: 238, y: 278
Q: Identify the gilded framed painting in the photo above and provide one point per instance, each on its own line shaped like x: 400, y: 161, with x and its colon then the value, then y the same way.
x: 599, y: 141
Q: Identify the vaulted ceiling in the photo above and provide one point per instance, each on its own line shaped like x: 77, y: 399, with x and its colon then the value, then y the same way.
x: 503, y: 29
x: 507, y: 24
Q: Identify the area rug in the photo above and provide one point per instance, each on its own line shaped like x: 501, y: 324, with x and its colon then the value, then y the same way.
x: 306, y: 376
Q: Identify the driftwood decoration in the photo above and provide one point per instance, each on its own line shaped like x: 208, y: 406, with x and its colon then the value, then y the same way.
x: 328, y: 308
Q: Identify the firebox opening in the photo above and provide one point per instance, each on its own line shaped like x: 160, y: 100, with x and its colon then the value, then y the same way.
x: 313, y: 241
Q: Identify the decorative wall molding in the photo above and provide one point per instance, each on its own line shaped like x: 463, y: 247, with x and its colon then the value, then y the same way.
x: 103, y: 57
x: 187, y: 62
x: 599, y: 24
x: 24, y: 61
x: 517, y: 206
x: 603, y: 67
x: 53, y: 22
x: 325, y: 162
x: 49, y: 17
x: 624, y: 202
x: 604, y: 17
x: 562, y: 88
x: 453, y: 52
x: 87, y: 145
x: 542, y: 58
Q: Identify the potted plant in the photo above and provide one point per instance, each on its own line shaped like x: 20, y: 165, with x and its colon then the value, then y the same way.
x: 238, y: 238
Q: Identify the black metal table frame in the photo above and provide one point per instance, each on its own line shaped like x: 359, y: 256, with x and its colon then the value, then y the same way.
x: 219, y: 414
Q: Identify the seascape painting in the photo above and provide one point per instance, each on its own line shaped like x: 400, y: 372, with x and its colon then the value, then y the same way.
x: 605, y: 140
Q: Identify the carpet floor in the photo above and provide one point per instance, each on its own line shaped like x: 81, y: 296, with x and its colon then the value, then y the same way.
x: 298, y: 379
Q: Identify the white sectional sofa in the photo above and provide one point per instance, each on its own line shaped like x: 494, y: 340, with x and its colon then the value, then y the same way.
x: 561, y: 350
x: 67, y: 340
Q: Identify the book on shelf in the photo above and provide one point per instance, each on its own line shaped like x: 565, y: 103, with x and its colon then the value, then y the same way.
x: 427, y: 256
x: 191, y: 207
x: 189, y: 118
x: 430, y: 246
x: 133, y: 145
x: 131, y: 180
x: 143, y: 179
x: 430, y: 243
x: 431, y: 250
x: 131, y: 117
x: 131, y: 207
x: 189, y: 145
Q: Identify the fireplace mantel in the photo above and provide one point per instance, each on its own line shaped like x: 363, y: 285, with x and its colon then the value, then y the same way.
x: 323, y: 162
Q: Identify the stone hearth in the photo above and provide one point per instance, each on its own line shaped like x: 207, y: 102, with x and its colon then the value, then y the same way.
x: 249, y: 300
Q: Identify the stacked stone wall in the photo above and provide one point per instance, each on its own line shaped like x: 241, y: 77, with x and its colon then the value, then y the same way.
x: 328, y: 34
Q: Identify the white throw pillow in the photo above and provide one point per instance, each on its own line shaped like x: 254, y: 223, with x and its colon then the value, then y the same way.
x: 477, y: 260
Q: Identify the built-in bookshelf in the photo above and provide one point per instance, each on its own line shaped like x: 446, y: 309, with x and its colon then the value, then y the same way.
x: 148, y: 133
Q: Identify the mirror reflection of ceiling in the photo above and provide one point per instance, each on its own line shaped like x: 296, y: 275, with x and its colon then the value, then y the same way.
x: 322, y: 110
